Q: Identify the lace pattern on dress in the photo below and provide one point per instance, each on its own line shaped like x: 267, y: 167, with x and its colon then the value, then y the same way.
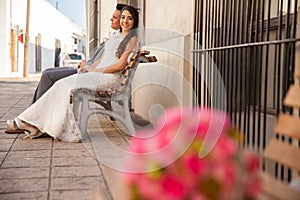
x: 70, y: 131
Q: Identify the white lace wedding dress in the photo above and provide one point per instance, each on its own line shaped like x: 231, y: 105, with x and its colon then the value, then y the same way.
x: 52, y: 113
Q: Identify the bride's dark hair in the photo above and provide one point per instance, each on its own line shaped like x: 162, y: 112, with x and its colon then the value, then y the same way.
x: 132, y: 33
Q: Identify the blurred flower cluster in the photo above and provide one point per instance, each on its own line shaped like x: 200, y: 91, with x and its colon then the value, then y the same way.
x: 191, y: 154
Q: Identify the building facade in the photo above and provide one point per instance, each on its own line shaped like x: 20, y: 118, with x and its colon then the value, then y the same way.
x: 168, y: 35
x: 50, y: 32
x: 236, y: 56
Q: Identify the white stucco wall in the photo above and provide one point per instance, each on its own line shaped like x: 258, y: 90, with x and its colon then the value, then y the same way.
x: 107, y: 8
x: 169, y: 25
x: 4, y: 38
x: 44, y: 20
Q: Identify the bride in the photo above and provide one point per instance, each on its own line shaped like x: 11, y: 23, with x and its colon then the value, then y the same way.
x: 52, y: 113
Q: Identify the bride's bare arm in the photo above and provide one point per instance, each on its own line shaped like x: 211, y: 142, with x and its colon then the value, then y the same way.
x: 122, y: 61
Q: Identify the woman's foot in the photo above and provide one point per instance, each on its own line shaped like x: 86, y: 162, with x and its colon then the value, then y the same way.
x: 12, y: 124
x: 20, y: 125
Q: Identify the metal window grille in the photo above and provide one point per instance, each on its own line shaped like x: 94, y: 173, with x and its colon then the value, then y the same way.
x: 251, y: 43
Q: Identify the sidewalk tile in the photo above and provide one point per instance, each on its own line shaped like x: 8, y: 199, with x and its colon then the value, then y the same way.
x: 71, y: 152
x: 73, y: 194
x: 57, y: 145
x: 16, y: 173
x: 76, y: 171
x: 26, y: 162
x: 74, y: 161
x: 27, y: 195
x: 7, y: 141
x: 12, y: 114
x: 77, y: 183
x: 5, y: 147
x: 4, y: 136
x: 32, y: 144
x: 2, y: 156
x: 3, y: 124
x: 29, y: 154
x: 24, y: 185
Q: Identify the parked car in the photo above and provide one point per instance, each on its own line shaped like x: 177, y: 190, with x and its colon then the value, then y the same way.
x: 72, y: 59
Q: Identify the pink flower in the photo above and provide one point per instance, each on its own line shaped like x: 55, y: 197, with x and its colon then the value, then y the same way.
x: 251, y: 162
x: 194, y: 164
x: 253, y: 187
x: 169, y: 155
x: 173, y: 187
x: 226, y: 147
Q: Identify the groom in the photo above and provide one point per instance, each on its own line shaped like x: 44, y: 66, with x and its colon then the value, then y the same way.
x: 51, y: 75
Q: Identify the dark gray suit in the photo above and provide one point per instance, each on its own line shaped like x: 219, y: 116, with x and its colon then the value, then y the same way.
x: 51, y: 75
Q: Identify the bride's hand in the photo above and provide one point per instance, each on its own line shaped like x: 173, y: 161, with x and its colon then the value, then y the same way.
x: 83, y: 63
x: 81, y: 70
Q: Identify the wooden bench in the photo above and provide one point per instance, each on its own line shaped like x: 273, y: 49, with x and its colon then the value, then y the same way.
x: 285, y: 153
x: 121, y: 93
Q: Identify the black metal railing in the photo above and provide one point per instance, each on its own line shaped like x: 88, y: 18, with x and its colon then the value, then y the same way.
x: 250, y: 46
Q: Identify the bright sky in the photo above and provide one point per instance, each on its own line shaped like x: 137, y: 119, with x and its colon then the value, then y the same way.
x: 73, y: 9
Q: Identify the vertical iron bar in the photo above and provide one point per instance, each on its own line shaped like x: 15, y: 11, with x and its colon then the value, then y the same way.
x: 279, y: 167
x: 210, y: 54
x: 205, y: 54
x: 240, y: 64
x: 201, y: 18
x: 197, y: 41
x: 279, y: 37
x: 286, y: 68
x: 261, y: 49
x: 245, y: 57
x: 243, y: 68
x: 234, y: 61
x: 250, y: 74
x: 229, y: 61
x: 218, y: 54
x: 214, y: 67
x: 196, y: 46
x: 221, y: 52
x: 255, y: 53
x: 285, y: 60
x: 266, y: 76
x: 224, y: 44
x: 228, y: 68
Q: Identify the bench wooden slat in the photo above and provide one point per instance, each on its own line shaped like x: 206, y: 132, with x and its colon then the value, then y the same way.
x: 276, y: 189
x: 288, y: 125
x: 292, y: 97
x: 283, y: 153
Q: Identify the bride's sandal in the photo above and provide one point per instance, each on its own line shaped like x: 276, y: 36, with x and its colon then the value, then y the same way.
x: 13, y: 127
x: 30, y: 131
x: 12, y: 124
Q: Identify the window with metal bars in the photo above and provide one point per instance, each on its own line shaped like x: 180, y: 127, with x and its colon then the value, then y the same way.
x: 251, y: 44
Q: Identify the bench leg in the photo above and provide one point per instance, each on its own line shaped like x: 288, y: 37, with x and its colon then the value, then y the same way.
x: 76, y: 105
x: 83, y: 120
x: 109, y: 107
x: 127, y: 119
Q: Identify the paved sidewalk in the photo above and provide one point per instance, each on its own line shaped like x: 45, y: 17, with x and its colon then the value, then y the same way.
x: 43, y: 168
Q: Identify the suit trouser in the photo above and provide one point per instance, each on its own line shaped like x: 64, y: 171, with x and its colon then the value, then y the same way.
x: 49, y: 77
